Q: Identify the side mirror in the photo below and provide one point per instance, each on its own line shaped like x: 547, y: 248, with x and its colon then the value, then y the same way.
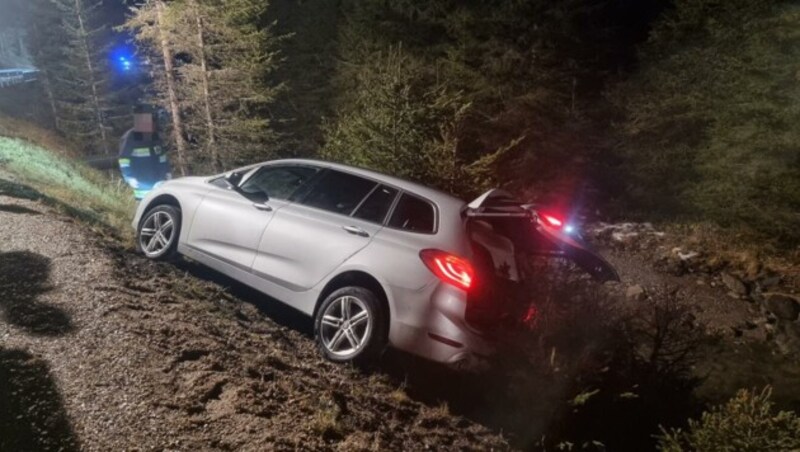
x: 233, y: 179
x: 247, y: 189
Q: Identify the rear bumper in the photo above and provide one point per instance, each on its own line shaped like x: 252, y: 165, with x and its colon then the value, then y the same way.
x: 437, y: 330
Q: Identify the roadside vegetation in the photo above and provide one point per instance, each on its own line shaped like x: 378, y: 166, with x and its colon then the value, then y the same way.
x: 667, y: 110
x: 32, y: 171
x: 748, y: 422
x: 686, y: 119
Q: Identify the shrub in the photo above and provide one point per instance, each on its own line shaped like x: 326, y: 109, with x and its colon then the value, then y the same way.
x: 745, y: 423
x: 401, y: 120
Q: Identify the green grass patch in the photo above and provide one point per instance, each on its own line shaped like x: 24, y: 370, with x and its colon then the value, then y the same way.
x: 30, y: 171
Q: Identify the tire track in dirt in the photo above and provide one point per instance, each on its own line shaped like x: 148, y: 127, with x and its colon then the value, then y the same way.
x: 129, y: 354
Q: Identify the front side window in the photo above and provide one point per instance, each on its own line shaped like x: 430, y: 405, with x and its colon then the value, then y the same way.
x: 377, y: 205
x: 413, y: 214
x: 338, y: 192
x: 278, y: 182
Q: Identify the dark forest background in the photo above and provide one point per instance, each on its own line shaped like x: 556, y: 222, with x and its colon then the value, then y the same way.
x: 685, y: 110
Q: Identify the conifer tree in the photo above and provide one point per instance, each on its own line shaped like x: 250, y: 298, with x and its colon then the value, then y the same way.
x: 45, y: 42
x: 85, y: 102
x: 221, y: 84
x: 710, y: 119
x: 399, y: 119
x: 154, y: 30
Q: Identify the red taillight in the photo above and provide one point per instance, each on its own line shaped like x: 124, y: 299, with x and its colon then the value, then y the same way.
x: 449, y: 267
x: 551, y: 220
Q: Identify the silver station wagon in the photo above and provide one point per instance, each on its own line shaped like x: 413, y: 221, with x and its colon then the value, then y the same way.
x: 375, y: 260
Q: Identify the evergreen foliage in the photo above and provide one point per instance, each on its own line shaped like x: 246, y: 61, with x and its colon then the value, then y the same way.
x: 309, y: 31
x: 224, y: 57
x: 528, y: 71
x: 746, y: 423
x: 401, y: 120
x: 536, y: 96
x: 710, y: 121
x: 68, y: 46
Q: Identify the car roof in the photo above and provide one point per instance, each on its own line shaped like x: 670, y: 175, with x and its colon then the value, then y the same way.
x: 437, y: 196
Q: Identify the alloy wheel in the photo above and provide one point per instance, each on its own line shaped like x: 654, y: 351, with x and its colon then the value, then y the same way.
x: 345, y: 326
x: 157, y: 233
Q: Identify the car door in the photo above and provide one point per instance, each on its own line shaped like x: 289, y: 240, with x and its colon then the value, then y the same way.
x: 231, y: 219
x: 310, y: 238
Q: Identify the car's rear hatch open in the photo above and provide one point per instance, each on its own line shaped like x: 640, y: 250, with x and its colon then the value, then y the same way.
x: 506, y: 233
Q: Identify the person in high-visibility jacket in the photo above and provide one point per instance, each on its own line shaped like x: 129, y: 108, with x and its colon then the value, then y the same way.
x: 143, y: 161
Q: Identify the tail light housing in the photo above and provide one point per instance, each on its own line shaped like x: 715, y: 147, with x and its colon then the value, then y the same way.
x: 449, y: 268
x: 551, y: 220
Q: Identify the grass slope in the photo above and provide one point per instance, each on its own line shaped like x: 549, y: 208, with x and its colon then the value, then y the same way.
x: 28, y: 168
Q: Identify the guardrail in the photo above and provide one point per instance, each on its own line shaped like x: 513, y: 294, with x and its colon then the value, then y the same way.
x: 10, y: 77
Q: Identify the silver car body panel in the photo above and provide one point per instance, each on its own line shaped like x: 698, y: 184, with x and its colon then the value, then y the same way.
x: 293, y: 251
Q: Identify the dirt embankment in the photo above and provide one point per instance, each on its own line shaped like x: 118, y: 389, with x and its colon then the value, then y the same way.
x: 102, y: 350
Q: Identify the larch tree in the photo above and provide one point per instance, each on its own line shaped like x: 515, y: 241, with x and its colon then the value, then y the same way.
x: 154, y: 31
x: 79, y: 80
x: 217, y: 59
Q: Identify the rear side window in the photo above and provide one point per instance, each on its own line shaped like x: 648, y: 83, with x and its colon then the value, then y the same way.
x: 377, y: 205
x: 413, y: 214
x: 338, y: 192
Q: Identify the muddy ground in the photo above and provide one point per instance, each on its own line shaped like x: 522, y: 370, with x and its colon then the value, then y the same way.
x: 103, y: 350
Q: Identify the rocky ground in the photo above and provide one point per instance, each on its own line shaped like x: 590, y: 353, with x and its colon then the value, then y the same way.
x: 745, y: 300
x: 103, y: 350
x: 752, y: 308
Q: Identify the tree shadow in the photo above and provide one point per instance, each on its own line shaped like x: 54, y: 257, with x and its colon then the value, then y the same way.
x: 32, y: 414
x: 12, y: 208
x: 23, y: 277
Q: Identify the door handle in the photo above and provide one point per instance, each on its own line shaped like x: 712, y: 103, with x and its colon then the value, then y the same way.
x: 262, y: 206
x: 355, y: 230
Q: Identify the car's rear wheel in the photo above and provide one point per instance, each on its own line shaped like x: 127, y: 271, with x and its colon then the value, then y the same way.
x: 351, y: 326
x: 157, y: 237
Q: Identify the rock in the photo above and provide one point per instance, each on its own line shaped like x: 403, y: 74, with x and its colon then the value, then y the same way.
x: 785, y: 307
x: 636, y: 292
x: 714, y: 264
x: 734, y: 284
x: 770, y: 281
x: 787, y: 338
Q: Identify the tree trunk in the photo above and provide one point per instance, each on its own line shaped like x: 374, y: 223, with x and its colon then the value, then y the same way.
x: 212, y: 148
x: 90, y: 67
x: 177, y: 123
x: 51, y: 99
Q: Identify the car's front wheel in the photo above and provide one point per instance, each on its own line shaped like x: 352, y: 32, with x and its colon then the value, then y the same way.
x: 351, y: 326
x: 157, y: 237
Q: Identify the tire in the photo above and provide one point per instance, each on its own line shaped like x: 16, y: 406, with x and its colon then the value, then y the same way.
x: 154, y: 222
x: 371, y: 336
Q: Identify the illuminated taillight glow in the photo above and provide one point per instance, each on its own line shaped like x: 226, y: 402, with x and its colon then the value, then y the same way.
x: 551, y: 220
x: 449, y: 268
